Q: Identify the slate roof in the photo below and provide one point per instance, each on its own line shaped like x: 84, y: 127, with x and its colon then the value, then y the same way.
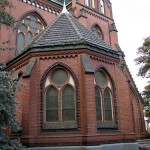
x: 67, y: 30
x: 29, y: 68
x: 88, y: 68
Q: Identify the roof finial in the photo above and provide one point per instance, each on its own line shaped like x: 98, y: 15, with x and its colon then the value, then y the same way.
x: 64, y: 9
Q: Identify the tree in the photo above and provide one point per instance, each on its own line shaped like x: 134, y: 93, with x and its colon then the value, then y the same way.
x: 8, y: 103
x: 5, y: 17
x: 8, y: 88
x: 144, y: 71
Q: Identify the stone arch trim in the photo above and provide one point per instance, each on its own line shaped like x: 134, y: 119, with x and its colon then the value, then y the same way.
x: 58, y: 130
x: 35, y: 12
x: 114, y: 93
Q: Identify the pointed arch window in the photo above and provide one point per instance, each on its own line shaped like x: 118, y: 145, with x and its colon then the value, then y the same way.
x: 87, y: 2
x: 93, y: 3
x: 98, y: 104
x: 101, y: 7
x: 107, y: 105
x: 60, y: 100
x: 97, y: 31
x: 68, y: 105
x: 103, y: 97
x: 28, y: 28
x: 52, y: 105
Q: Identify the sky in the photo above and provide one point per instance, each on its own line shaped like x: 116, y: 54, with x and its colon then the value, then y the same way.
x: 132, y: 19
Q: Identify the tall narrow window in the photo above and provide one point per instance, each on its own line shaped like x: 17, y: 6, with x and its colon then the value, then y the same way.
x: 93, y: 3
x: 101, y: 7
x: 68, y: 104
x: 60, y: 100
x: 29, y: 27
x: 107, y: 105
x: 52, y: 105
x: 103, y: 99
x: 20, y: 41
x: 87, y: 2
x: 98, y: 104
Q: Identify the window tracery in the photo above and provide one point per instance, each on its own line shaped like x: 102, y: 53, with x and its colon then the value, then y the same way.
x: 28, y: 28
x: 103, y: 96
x: 97, y: 31
x: 60, y: 99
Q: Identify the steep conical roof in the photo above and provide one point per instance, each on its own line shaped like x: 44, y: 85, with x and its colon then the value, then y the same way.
x: 67, y: 30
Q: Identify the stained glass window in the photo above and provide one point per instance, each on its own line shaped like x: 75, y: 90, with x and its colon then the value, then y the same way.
x: 60, y: 97
x: 103, y: 96
x: 100, y: 78
x: 20, y: 41
x: 30, y: 27
x: 59, y: 76
x: 28, y: 37
x: 68, y: 106
x: 51, y: 105
x: 98, y: 104
x: 107, y: 105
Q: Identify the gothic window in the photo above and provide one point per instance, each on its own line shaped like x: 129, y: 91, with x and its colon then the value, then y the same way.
x: 101, y: 6
x: 103, y: 96
x: 93, y: 3
x: 60, y: 99
x: 28, y: 28
x: 97, y: 31
x: 87, y: 2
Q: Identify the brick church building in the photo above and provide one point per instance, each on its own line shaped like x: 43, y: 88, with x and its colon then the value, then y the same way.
x: 77, y: 89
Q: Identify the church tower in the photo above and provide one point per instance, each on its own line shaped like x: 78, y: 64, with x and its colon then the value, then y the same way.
x: 77, y: 88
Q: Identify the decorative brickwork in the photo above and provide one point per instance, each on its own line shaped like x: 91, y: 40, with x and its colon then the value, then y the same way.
x: 69, y: 43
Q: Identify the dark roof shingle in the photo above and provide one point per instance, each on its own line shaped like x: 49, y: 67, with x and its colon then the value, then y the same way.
x: 88, y: 68
x: 67, y: 30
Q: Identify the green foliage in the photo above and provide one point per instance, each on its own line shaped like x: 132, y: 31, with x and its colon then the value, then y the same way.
x: 5, y: 17
x: 146, y: 97
x: 144, y: 61
x: 7, y: 144
x: 8, y: 103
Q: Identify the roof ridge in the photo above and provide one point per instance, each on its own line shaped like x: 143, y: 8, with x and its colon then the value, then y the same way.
x: 101, y: 40
x: 75, y: 28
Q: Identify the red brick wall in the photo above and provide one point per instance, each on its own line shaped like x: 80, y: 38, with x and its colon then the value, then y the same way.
x: 20, y: 9
x: 129, y: 125
x: 29, y: 98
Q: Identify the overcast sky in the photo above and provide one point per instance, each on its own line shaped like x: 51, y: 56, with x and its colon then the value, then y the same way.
x: 132, y: 18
